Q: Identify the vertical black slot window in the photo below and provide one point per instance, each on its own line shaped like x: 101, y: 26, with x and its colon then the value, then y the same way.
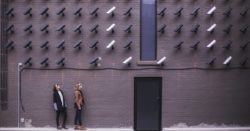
x: 148, y: 30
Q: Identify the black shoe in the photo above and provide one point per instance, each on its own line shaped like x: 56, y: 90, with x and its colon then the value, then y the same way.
x: 65, y: 127
x: 59, y: 128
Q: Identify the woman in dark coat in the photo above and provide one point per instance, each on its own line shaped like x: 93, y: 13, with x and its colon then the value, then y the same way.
x: 59, y: 106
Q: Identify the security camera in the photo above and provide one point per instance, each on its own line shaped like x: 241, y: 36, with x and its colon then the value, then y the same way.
x: 128, y: 46
x: 28, y: 29
x: 78, y: 29
x: 228, y: 12
x: 10, y: 12
x: 228, y: 60
x: 195, y: 46
x: 128, y: 12
x: 178, y: 46
x: 45, y: 45
x: 128, y: 29
x: 61, y: 62
x: 28, y: 45
x: 162, y: 29
x: 45, y: 62
x: 243, y: 30
x: 211, y: 11
x: 195, y: 13
x: 111, y: 45
x: 10, y: 45
x: 94, y: 12
x: 162, y: 60
x: 228, y: 45
x: 94, y: 29
x: 179, y: 12
x: 61, y: 12
x: 61, y: 45
x: 211, y: 62
x: 211, y: 28
x: 128, y: 61
x: 96, y: 61
x: 45, y: 12
x: 78, y: 12
x: 195, y: 29
x: 245, y: 12
x: 179, y: 28
x: 211, y: 44
x: 61, y: 29
x: 78, y: 45
x: 94, y: 46
x: 111, y: 28
x: 28, y: 12
x: 10, y: 29
x: 111, y: 11
x: 28, y: 61
x: 228, y: 29
x: 45, y: 28
x: 162, y: 12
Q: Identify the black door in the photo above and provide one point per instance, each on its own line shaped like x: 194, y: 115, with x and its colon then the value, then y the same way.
x: 147, y: 112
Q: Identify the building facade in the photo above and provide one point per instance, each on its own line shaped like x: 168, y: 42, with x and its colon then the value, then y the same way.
x: 144, y: 64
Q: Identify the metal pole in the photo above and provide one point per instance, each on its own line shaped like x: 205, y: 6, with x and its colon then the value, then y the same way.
x: 18, y: 94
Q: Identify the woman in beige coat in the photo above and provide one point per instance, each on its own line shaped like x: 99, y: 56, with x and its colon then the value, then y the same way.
x: 78, y: 103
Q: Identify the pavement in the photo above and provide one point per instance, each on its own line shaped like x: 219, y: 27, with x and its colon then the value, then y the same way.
x: 130, y: 129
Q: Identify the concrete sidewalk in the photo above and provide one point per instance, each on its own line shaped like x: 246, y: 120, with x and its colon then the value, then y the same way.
x: 70, y: 129
x: 130, y: 129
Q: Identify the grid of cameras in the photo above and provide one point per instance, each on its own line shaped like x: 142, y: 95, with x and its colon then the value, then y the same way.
x: 71, y: 26
x: 214, y: 31
x: 204, y: 32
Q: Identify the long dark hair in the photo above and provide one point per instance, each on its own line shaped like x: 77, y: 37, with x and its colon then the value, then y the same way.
x: 54, y: 87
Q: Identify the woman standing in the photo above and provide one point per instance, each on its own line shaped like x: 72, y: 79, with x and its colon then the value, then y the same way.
x: 59, y: 106
x: 79, y: 101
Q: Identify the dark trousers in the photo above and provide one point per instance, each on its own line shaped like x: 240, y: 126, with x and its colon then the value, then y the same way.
x: 62, y: 113
x: 78, y: 117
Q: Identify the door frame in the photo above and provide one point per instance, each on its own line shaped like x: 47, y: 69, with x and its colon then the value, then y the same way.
x: 160, y: 106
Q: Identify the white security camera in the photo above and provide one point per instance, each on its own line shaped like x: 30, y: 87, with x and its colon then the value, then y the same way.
x: 211, y: 28
x: 110, y: 28
x: 211, y: 44
x: 228, y: 60
x: 162, y: 60
x: 111, y: 44
x: 211, y: 11
x: 111, y: 10
x: 128, y: 60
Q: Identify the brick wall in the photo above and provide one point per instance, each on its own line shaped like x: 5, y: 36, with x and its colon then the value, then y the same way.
x: 191, y: 96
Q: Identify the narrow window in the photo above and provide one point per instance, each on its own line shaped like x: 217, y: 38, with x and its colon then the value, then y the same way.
x: 148, y: 30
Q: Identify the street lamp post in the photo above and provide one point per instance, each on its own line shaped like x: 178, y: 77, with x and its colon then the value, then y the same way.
x: 18, y: 93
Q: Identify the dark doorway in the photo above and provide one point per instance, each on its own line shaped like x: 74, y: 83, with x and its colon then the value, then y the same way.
x: 147, y: 103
